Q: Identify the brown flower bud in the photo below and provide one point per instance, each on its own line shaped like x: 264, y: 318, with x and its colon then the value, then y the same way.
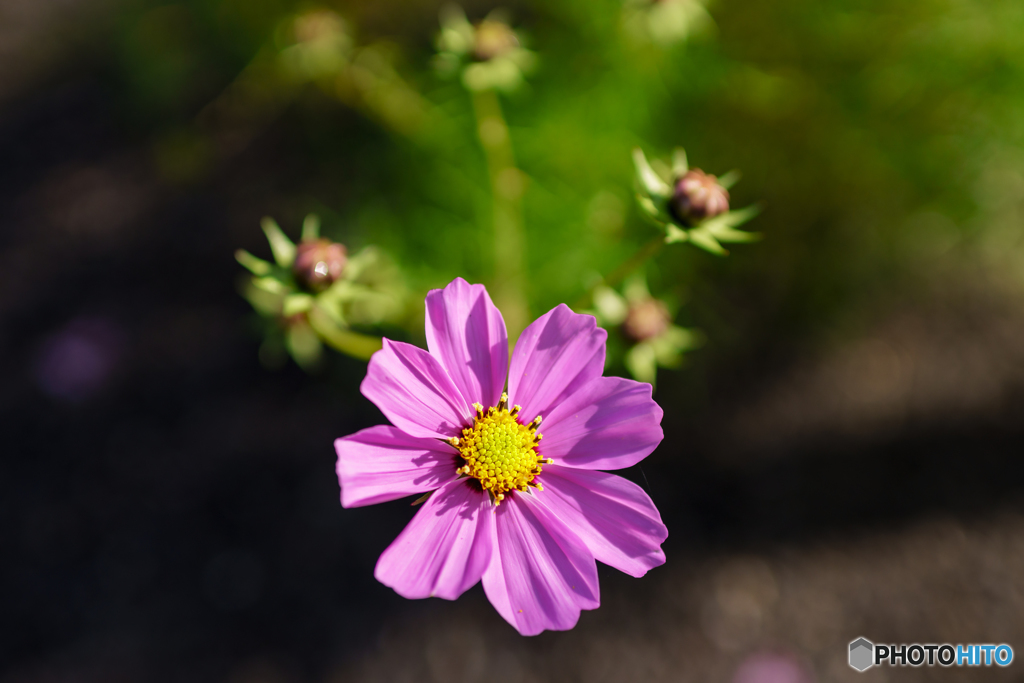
x: 493, y: 39
x: 646, y: 319
x: 698, y: 196
x: 319, y: 263
x: 318, y: 25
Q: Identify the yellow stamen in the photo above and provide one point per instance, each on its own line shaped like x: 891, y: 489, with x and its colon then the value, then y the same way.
x: 499, y: 451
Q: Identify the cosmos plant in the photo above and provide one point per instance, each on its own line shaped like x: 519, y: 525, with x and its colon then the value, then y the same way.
x: 509, y: 454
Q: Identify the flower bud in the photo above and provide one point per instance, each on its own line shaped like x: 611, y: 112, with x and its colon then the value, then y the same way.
x: 493, y: 39
x: 318, y: 25
x: 319, y: 263
x: 646, y: 319
x: 697, y: 196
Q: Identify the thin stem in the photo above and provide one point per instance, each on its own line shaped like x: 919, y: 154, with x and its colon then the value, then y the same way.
x: 628, y: 267
x: 507, y: 191
x: 645, y: 253
x: 350, y: 343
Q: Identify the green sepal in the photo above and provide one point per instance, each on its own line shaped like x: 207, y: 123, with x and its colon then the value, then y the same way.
x: 650, y: 181
x: 311, y: 227
x: 501, y: 73
x: 648, y: 206
x: 723, y: 233
x: 610, y: 306
x: 722, y: 227
x: 330, y: 305
x: 642, y: 363
x: 344, y: 291
x: 282, y: 247
x: 702, y: 237
x: 296, y: 303
x: 670, y: 345
x: 679, y: 163
x: 267, y: 304
x: 730, y: 178
x: 456, y: 32
x: 367, y: 258
x: 303, y: 345
x: 673, y: 234
x: 254, y: 265
x: 271, y: 284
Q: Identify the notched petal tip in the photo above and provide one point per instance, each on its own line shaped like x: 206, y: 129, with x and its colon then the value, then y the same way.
x: 608, y: 424
x: 444, y: 550
x: 466, y: 333
x: 614, y: 517
x: 556, y: 354
x: 383, y: 463
x: 413, y: 390
x: 541, y: 575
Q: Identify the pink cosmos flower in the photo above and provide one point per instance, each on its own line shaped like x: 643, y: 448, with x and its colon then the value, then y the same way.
x: 528, y: 517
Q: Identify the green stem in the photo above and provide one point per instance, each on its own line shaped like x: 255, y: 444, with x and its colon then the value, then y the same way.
x: 628, y: 267
x: 646, y: 252
x: 507, y: 185
x: 350, y: 343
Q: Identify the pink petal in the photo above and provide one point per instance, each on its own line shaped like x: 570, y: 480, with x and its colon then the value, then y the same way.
x: 444, y: 549
x: 608, y: 424
x: 613, y: 516
x: 384, y: 463
x: 412, y: 389
x: 466, y: 332
x: 557, y: 354
x: 541, y: 574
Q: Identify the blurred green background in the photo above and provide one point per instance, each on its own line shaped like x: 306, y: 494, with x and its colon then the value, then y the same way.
x: 841, y: 455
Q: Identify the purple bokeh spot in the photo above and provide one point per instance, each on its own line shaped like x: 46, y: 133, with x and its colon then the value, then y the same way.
x: 75, y: 363
x: 767, y: 667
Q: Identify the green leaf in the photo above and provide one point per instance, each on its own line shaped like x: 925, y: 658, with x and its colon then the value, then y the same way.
x: 679, y: 164
x: 649, y: 180
x: 311, y: 227
x: 256, y: 266
x: 283, y: 248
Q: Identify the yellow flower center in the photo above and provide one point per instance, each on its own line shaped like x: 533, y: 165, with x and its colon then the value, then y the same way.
x: 499, y: 451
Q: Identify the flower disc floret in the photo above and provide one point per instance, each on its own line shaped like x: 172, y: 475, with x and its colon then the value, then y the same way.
x: 499, y: 451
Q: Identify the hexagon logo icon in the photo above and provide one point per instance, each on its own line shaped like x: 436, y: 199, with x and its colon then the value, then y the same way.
x: 862, y: 654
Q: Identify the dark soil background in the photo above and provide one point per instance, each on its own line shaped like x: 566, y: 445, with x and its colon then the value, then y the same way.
x: 169, y: 509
